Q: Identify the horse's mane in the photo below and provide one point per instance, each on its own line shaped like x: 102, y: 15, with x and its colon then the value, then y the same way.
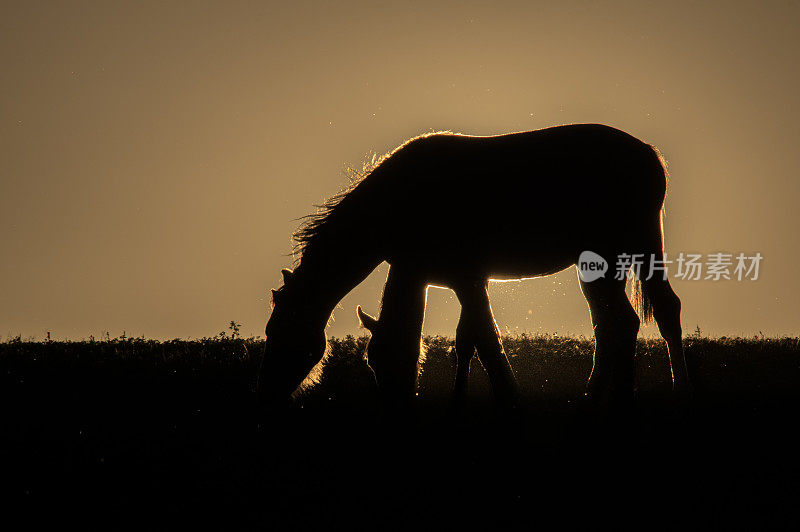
x: 314, y: 224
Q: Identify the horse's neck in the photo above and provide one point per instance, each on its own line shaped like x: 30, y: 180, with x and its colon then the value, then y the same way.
x: 324, y: 279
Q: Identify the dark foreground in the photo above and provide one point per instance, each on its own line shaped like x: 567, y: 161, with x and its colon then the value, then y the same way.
x: 140, y: 434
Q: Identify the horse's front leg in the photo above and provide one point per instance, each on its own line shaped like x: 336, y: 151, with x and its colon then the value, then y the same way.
x: 393, y: 351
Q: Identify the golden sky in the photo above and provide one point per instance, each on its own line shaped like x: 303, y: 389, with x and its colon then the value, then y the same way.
x: 155, y: 155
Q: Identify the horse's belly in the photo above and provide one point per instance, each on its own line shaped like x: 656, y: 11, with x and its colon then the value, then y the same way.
x: 464, y: 259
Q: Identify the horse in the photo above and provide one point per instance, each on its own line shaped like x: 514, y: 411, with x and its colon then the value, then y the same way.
x: 458, y: 210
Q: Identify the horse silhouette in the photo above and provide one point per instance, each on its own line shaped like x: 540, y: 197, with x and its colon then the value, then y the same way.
x: 476, y: 330
x: 456, y: 210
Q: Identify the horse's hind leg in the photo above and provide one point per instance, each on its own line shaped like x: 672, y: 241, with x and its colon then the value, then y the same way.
x: 666, y: 307
x: 667, y: 313
x: 616, y: 326
x: 477, y: 328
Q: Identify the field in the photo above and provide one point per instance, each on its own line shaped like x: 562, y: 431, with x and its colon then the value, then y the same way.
x: 132, y: 433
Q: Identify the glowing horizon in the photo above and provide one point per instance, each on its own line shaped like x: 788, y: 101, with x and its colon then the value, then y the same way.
x: 157, y: 157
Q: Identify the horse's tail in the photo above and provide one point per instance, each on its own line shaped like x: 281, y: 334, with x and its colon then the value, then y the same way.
x: 654, y: 238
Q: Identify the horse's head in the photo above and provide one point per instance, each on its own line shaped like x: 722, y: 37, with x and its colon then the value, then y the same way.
x: 295, y: 339
x: 294, y: 325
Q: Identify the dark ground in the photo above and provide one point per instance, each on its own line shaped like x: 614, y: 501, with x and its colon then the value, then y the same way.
x: 147, y: 435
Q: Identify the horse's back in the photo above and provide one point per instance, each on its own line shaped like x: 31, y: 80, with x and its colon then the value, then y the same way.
x: 460, y: 197
x: 589, y: 156
x: 556, y: 170
x: 573, y: 138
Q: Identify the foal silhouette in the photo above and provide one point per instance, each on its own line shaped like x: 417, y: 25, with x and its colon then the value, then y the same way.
x: 476, y: 330
x: 457, y: 210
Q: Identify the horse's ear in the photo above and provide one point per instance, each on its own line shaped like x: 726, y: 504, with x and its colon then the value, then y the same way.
x: 367, y: 321
x: 287, y: 275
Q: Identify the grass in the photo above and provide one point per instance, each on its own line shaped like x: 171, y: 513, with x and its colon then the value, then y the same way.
x: 138, y: 433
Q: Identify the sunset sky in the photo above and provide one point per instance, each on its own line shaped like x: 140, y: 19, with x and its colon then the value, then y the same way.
x: 157, y: 155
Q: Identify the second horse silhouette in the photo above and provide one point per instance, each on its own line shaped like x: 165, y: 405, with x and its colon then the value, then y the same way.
x: 476, y: 330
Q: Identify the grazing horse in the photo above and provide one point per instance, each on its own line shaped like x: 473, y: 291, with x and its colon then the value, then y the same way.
x: 457, y: 210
